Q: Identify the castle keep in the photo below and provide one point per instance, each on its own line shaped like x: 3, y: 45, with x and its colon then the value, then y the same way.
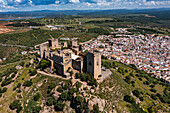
x: 64, y: 58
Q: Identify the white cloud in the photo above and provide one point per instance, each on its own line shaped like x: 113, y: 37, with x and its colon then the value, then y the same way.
x: 74, y: 1
x: 19, y: 1
x: 85, y: 4
x: 57, y: 2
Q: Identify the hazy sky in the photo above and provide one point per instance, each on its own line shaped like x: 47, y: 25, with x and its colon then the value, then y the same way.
x: 27, y: 5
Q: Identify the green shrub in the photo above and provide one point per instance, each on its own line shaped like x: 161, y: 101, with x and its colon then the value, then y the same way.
x: 52, y: 85
x: 0, y: 79
x: 27, y: 83
x: 36, y: 109
x: 64, y: 96
x: 153, y: 96
x: 14, y: 104
x: 44, y: 64
x: 136, y: 92
x: 19, y: 91
x: 79, y: 100
x: 60, y: 89
x: 13, y: 75
x: 37, y: 96
x: 21, y: 63
x: 153, y: 90
x: 129, y: 99
x: 141, y: 98
x: 152, y: 86
x: 128, y: 79
x: 95, y: 109
x: 100, y: 76
x: 59, y: 106
x: 6, y: 82
x: 150, y: 110
x: 33, y: 72
x: 121, y: 70
x: 3, y: 90
x: 50, y: 101
x: 18, y: 85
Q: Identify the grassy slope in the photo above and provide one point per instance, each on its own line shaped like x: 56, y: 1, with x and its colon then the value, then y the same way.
x: 27, y: 92
x: 114, y: 88
x: 29, y: 38
x: 8, y: 51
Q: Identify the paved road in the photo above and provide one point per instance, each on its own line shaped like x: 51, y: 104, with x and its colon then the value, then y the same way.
x: 8, y: 45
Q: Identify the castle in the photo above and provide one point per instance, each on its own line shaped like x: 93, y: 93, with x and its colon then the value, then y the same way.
x: 64, y: 57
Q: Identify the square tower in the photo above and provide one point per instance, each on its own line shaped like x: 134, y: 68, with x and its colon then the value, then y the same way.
x: 94, y: 63
x: 53, y: 43
x: 73, y: 42
x: 43, y: 48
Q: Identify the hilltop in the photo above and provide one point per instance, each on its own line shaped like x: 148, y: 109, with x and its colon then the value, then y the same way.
x: 126, y: 90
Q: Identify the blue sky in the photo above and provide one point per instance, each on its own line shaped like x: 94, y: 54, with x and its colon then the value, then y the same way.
x: 29, y: 5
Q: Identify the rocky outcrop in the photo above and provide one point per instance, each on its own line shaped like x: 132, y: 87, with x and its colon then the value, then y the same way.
x: 100, y: 102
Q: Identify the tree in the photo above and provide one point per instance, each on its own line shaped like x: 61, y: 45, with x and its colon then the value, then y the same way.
x: 59, y: 106
x: 64, y: 96
x: 4, y: 90
x: 152, y: 86
x: 71, y: 73
x: 141, y: 98
x: 72, y: 91
x: 95, y: 109
x: 131, y: 74
x: 136, y: 92
x: 78, y: 85
x: 129, y: 99
x: 21, y: 63
x: 52, y: 85
x: 14, y: 104
x: 133, y: 66
x: 78, y: 75
x: 121, y: 70
x: 0, y: 79
x: 79, y: 100
x: 114, y: 64
x: 27, y: 83
x: 33, y: 72
x: 50, y: 101
x: 126, y: 71
x: 59, y: 89
x: 66, y: 86
x: 44, y: 64
x: 18, y: 85
x: 150, y: 110
x: 36, y: 109
x: 100, y: 76
x: 153, y: 96
x: 153, y: 90
x: 128, y: 79
x: 37, y: 96
x: 83, y: 77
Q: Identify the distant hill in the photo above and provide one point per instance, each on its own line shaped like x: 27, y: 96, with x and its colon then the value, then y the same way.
x: 81, y: 12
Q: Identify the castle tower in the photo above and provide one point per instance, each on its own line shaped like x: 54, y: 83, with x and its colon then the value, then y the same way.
x: 53, y: 43
x: 73, y: 43
x: 94, y: 63
x: 43, y: 48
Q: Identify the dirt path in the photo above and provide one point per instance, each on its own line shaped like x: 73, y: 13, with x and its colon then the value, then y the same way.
x: 52, y: 75
x: 57, y: 76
